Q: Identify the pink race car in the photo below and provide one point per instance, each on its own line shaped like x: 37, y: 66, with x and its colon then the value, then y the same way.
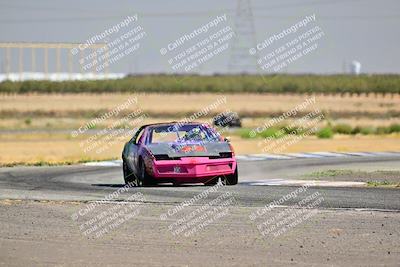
x: 179, y: 153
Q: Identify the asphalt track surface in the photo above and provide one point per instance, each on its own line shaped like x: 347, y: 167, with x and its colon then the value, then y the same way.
x: 352, y: 226
x: 90, y: 183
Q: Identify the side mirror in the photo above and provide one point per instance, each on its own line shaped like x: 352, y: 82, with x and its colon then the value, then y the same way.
x: 227, y: 139
x: 133, y: 141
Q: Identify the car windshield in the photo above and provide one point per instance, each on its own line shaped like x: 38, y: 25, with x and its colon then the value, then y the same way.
x: 182, y: 133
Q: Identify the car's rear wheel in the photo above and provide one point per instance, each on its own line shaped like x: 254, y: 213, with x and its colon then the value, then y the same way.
x: 145, y: 178
x: 232, y: 179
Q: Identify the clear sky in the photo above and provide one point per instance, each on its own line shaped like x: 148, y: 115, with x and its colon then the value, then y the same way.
x: 364, y: 30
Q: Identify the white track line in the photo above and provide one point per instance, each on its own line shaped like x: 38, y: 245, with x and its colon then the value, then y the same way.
x: 110, y: 163
x: 311, y: 183
x: 361, y: 154
x: 303, y: 155
x: 248, y: 158
x: 386, y: 153
x: 327, y: 154
x: 270, y: 156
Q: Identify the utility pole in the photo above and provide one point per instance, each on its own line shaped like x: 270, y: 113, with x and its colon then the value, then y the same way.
x: 245, y: 38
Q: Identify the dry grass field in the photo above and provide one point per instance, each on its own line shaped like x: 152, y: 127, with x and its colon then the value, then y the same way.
x: 67, y: 112
x: 172, y: 104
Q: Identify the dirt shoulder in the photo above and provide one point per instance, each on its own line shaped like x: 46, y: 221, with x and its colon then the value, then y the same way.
x: 43, y: 234
x: 389, y: 178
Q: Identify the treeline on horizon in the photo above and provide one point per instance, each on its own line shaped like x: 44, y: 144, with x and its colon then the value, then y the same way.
x: 279, y: 83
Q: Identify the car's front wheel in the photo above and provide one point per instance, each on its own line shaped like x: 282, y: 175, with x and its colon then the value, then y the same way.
x: 145, y: 178
x: 129, y: 177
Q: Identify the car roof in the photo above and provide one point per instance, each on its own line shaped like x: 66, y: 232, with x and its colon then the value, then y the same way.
x: 172, y: 123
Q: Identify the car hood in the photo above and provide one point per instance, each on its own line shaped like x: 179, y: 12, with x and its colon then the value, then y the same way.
x: 189, y: 149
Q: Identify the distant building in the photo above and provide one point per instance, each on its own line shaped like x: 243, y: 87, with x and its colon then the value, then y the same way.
x: 355, y: 67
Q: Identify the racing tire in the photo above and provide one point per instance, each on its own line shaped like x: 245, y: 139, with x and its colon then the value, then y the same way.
x: 232, y: 179
x: 128, y: 174
x: 145, y: 179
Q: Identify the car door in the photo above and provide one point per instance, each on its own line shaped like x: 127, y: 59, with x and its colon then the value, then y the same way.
x: 132, y: 150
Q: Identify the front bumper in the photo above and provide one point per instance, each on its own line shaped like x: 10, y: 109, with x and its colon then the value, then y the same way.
x: 193, y: 167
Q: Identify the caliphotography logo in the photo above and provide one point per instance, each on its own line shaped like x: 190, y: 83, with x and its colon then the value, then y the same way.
x: 193, y: 49
x: 188, y: 218
x: 284, y: 48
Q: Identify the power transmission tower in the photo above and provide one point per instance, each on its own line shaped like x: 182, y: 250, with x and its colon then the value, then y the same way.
x: 245, y: 38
